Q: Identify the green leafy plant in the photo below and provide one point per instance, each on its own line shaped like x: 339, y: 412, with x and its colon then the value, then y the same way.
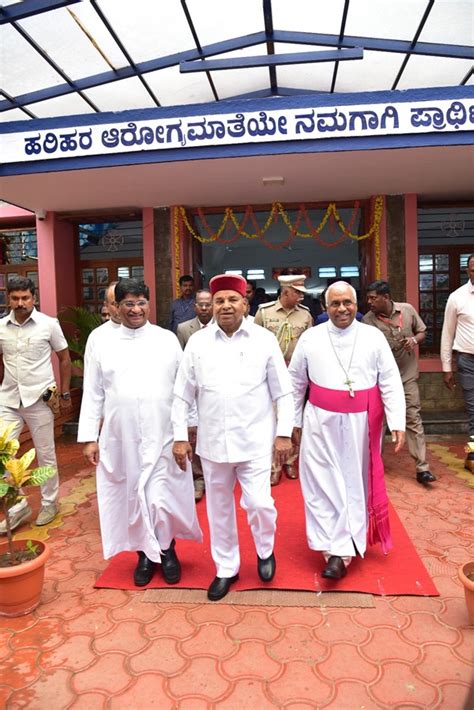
x: 84, y: 323
x: 14, y: 475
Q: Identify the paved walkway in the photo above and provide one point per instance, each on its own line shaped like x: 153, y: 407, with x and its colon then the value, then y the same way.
x: 89, y: 648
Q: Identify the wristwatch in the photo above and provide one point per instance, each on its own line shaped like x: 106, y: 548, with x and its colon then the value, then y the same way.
x: 65, y: 395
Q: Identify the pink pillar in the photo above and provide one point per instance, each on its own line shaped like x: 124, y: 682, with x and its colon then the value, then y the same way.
x: 56, y: 264
x: 56, y: 267
x: 149, y: 262
x: 411, y: 249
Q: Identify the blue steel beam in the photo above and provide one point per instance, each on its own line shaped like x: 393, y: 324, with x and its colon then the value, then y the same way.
x: 431, y: 49
x: 268, y: 20
x: 190, y: 22
x: 271, y: 60
x: 428, y: 9
x: 170, y: 60
x: 341, y: 35
x: 44, y: 55
x: 119, y: 43
x: 461, y: 52
x: 28, y: 8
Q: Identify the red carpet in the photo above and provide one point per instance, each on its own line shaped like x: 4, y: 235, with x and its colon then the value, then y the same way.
x: 400, y: 572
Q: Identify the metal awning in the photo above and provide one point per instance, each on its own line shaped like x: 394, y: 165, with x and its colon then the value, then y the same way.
x: 66, y: 57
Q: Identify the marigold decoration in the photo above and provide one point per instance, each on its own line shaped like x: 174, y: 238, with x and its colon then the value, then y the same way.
x: 278, y: 211
x: 177, y: 252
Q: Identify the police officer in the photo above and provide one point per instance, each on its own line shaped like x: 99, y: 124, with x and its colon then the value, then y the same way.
x: 287, y: 319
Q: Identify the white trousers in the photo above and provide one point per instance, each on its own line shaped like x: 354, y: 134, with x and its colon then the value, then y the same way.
x: 256, y: 500
x: 40, y: 421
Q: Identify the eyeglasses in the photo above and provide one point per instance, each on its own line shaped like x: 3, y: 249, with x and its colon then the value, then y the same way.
x: 346, y: 303
x: 131, y: 304
x: 204, y: 305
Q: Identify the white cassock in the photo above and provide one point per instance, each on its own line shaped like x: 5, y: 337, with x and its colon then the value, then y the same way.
x: 144, y: 498
x: 234, y: 382
x: 334, y: 453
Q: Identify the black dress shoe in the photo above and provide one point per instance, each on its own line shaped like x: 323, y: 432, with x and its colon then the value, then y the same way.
x: 266, y: 568
x: 220, y: 586
x: 144, y: 570
x: 335, y: 568
x: 170, y: 565
x: 425, y: 477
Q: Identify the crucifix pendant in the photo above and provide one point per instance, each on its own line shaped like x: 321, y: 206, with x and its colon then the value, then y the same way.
x: 349, y: 383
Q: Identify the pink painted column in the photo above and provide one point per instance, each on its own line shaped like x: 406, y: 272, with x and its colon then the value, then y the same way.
x: 57, y: 262
x: 411, y: 249
x: 149, y: 261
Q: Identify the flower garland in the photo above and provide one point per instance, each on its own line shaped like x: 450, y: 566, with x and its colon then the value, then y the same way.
x: 277, y: 210
x: 177, y: 249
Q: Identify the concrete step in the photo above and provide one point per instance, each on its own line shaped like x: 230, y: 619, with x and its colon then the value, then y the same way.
x: 446, y: 422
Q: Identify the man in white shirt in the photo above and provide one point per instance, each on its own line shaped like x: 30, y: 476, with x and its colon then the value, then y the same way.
x: 458, y: 335
x: 353, y: 378
x: 145, y: 501
x: 27, y: 340
x: 234, y: 371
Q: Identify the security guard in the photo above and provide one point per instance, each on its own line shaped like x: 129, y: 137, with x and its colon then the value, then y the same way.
x: 287, y: 319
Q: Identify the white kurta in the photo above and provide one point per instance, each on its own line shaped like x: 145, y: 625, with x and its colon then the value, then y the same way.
x: 234, y: 382
x: 144, y: 499
x: 334, y: 453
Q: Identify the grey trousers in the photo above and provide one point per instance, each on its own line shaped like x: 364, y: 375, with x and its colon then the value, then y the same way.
x: 465, y: 363
x: 415, y: 434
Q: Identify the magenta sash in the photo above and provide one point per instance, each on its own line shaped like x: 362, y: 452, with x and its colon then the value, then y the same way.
x: 369, y: 401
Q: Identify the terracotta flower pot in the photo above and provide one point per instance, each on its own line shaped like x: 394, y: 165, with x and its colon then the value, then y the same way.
x: 466, y: 575
x: 21, y: 585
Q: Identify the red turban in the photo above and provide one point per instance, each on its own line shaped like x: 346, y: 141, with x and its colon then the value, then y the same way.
x: 228, y: 282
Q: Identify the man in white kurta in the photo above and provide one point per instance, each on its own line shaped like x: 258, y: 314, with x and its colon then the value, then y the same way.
x: 234, y: 371
x: 343, y: 357
x: 103, y: 332
x: 145, y: 500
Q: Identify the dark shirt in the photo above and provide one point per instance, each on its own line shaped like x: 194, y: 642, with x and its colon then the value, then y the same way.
x: 182, y: 309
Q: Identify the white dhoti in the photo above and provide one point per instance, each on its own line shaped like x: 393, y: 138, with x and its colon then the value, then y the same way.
x: 256, y: 500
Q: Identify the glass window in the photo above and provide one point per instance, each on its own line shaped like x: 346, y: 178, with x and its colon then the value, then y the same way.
x: 442, y: 262
x: 349, y: 271
x: 102, y: 275
x: 87, y: 276
x: 137, y: 272
x: 123, y: 272
x: 327, y: 272
x: 426, y: 262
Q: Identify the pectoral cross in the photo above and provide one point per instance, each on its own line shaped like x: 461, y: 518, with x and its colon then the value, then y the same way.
x: 349, y: 383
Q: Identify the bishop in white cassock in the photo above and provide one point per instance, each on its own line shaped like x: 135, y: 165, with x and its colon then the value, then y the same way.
x: 145, y: 500
x: 234, y: 371
x: 353, y: 378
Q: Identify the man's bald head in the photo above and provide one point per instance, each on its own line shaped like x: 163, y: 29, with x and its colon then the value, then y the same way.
x: 109, y: 301
x: 340, y: 284
x: 341, y: 304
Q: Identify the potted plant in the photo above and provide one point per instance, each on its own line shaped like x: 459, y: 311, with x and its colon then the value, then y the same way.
x: 21, y: 562
x: 84, y: 323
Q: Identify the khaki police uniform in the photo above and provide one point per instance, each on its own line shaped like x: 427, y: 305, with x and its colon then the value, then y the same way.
x: 287, y: 326
x: 404, y: 322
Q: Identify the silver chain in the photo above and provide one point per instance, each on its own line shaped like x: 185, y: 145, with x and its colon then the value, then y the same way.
x: 348, y: 381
